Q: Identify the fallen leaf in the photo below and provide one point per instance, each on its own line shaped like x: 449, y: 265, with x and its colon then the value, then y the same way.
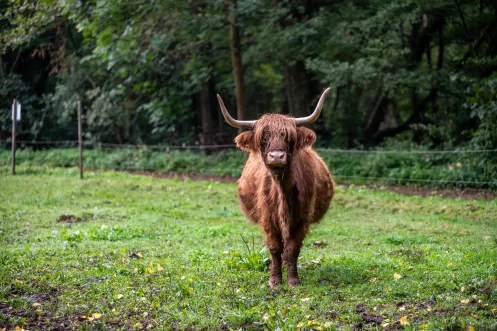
x: 299, y: 325
x: 465, y: 301
x: 397, y: 276
x: 403, y: 321
x: 36, y: 304
x: 494, y: 310
x: 470, y: 328
x: 96, y: 316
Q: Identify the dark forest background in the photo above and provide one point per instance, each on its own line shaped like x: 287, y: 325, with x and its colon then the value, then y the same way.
x: 412, y: 71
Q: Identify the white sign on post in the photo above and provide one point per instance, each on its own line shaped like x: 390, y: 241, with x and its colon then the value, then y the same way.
x: 18, y: 112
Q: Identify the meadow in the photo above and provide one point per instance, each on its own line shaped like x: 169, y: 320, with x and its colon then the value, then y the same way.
x: 117, y: 251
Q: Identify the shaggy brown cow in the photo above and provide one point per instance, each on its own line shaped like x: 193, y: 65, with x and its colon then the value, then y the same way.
x: 285, y: 186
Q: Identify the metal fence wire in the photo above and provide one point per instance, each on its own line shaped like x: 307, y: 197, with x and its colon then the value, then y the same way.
x: 426, y: 153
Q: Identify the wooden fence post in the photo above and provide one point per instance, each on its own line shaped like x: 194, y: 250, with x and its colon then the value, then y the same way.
x: 80, y: 139
x: 14, y: 120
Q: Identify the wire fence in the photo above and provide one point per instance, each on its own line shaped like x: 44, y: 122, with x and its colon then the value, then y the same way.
x: 229, y: 146
x: 70, y: 143
x: 492, y: 183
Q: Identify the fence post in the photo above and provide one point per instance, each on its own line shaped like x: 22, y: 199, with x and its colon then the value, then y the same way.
x: 14, y: 120
x: 80, y: 140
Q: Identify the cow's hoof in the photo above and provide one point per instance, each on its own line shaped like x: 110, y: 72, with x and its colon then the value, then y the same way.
x: 293, y: 282
x: 273, y: 283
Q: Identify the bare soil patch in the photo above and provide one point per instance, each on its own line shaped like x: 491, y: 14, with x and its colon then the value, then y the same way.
x: 71, y: 219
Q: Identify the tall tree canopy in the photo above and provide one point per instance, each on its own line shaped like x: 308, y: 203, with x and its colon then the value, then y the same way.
x: 148, y: 71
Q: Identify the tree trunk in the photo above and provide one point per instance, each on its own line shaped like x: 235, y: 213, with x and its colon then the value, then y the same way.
x: 296, y: 83
x: 204, y: 102
x: 236, y: 59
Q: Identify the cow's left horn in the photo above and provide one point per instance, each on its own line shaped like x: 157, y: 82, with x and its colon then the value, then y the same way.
x: 231, y: 121
x: 314, y: 116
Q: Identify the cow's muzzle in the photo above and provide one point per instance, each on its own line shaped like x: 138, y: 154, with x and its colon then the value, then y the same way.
x: 276, y: 158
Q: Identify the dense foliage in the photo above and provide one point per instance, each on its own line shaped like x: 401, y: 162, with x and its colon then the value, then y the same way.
x: 148, y: 71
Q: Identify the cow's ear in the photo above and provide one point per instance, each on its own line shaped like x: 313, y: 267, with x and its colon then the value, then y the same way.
x: 245, y: 141
x: 305, y: 137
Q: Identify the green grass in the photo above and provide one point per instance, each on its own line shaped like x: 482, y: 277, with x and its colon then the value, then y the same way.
x: 171, y: 254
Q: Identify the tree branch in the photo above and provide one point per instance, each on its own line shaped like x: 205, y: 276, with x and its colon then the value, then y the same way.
x: 461, y: 15
x: 15, y: 61
x: 441, y: 47
x: 414, y: 118
x: 428, y: 53
x: 374, y: 117
x: 480, y: 39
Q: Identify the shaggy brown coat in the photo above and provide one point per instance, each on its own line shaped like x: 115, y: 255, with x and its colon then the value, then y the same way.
x: 283, y: 199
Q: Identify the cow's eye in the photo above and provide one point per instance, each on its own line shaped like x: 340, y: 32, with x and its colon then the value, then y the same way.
x: 265, y: 139
x: 291, y: 145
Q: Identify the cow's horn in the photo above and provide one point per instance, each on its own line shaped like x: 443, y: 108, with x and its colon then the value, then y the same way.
x: 231, y: 121
x: 314, y: 116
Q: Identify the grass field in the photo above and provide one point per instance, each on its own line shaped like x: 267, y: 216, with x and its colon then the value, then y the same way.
x: 134, y: 252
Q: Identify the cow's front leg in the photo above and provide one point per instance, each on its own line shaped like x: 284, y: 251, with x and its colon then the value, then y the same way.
x: 275, y: 246
x: 292, y: 250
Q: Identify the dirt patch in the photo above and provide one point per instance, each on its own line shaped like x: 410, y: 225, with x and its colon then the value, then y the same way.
x: 33, y: 318
x: 469, y: 193
x: 319, y: 244
x: 366, y: 317
x: 71, y: 219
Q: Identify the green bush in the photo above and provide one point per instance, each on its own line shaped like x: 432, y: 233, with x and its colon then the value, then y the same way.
x: 399, y: 164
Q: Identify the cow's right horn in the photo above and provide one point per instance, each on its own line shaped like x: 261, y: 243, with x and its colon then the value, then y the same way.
x: 231, y: 121
x: 314, y: 116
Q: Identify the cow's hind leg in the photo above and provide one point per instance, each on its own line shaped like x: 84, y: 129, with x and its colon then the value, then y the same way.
x: 275, y: 246
x: 292, y: 250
